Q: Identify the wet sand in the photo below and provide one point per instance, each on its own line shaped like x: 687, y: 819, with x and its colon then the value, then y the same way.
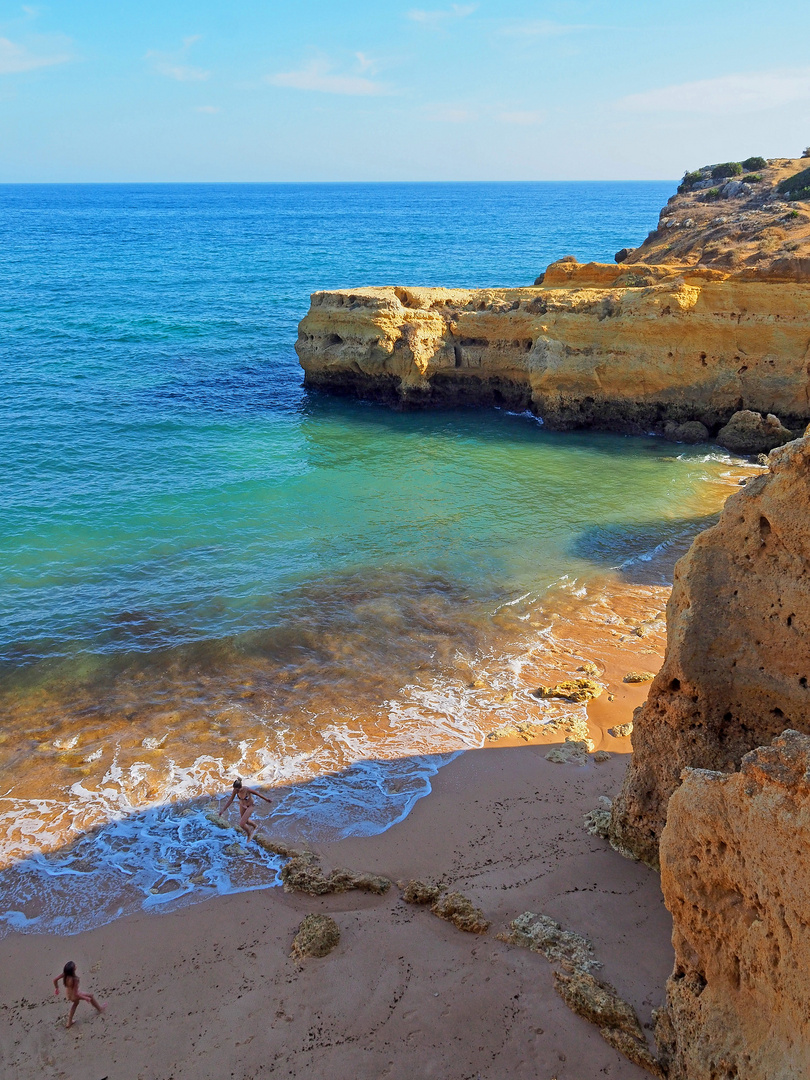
x: 210, y: 990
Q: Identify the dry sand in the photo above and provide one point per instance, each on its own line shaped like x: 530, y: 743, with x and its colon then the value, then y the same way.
x: 211, y: 991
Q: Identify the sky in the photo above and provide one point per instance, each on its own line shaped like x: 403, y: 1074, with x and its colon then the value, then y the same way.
x: 326, y: 90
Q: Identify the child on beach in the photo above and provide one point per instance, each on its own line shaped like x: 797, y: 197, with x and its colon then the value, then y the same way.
x: 71, y: 981
x: 246, y: 803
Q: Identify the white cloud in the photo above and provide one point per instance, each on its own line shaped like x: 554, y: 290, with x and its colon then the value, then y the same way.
x: 174, y: 66
x: 208, y: 109
x: 540, y: 28
x: 438, y: 18
x: 524, y: 119
x: 16, y: 58
x: 726, y: 94
x: 318, y: 75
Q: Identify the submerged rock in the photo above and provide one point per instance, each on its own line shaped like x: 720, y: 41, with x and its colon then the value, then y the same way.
x: 749, y: 432
x: 317, y: 936
x: 575, y: 690
x: 638, y: 677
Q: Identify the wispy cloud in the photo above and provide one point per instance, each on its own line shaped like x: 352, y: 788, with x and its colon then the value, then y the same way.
x: 540, y: 28
x: 16, y: 58
x: 522, y: 119
x: 440, y: 18
x: 319, y: 75
x: 726, y: 94
x: 174, y: 65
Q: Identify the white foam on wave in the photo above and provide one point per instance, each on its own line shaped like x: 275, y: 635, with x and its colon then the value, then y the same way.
x: 137, y: 838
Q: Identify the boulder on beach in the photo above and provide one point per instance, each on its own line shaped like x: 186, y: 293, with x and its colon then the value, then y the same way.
x: 317, y: 935
x: 749, y: 432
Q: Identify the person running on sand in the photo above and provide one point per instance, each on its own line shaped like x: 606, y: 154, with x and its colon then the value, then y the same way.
x: 71, y: 981
x: 246, y: 803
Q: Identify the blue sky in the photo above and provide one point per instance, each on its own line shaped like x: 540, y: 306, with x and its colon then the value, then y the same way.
x: 375, y: 90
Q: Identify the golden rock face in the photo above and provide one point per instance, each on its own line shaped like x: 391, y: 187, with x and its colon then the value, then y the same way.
x: 735, y: 878
x: 737, y: 666
x: 711, y: 315
x: 626, y: 358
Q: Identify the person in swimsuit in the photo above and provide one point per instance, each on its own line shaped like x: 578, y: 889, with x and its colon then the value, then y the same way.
x: 246, y: 804
x: 71, y: 981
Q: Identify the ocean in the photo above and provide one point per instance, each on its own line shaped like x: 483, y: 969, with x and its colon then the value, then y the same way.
x: 206, y: 570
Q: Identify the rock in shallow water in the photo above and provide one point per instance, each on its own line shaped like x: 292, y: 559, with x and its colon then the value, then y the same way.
x: 749, y: 432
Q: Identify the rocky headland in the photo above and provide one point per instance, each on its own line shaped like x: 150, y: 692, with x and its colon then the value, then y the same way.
x: 718, y: 790
x: 708, y: 318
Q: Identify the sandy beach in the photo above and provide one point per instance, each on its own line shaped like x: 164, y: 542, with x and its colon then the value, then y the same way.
x: 211, y: 990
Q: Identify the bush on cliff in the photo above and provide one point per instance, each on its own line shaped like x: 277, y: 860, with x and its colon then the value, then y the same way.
x: 689, y: 180
x: 752, y: 178
x: 797, y: 186
x: 727, y: 168
x: 751, y: 164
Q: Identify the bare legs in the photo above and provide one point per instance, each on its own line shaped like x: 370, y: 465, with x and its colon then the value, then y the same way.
x: 75, y: 1005
x: 247, y: 826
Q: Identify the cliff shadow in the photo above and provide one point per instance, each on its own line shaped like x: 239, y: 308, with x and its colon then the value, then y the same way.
x: 642, y: 553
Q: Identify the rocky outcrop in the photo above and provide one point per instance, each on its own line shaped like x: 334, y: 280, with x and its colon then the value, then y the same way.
x: 735, y: 876
x: 708, y: 317
x: 631, y: 358
x: 751, y: 433
x: 737, y: 665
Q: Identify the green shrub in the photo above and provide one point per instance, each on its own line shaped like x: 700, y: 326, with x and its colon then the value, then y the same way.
x: 806, y: 152
x: 752, y: 178
x: 712, y: 193
x: 728, y: 168
x: 796, y: 186
x: 754, y: 163
x: 793, y: 213
x: 689, y: 178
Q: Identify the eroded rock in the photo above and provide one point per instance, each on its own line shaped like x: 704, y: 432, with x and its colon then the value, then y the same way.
x: 749, y: 432
x: 621, y: 731
x: 597, y: 821
x: 574, y: 690
x: 638, y: 676
x: 456, y: 908
x: 541, y: 934
x: 420, y: 892
x: 304, y: 873
x: 737, y: 664
x: 618, y: 1024
x: 735, y: 876
x: 316, y: 936
x: 572, y: 752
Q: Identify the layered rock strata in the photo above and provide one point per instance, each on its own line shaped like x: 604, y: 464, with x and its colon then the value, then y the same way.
x: 735, y: 876
x: 737, y: 666
x: 708, y: 317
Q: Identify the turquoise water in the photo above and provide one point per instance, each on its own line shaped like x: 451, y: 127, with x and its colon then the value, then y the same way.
x: 204, y: 569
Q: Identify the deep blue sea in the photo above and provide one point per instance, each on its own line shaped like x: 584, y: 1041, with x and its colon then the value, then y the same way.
x: 205, y: 570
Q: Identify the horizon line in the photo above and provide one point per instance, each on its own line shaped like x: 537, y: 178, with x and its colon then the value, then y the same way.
x: 236, y: 183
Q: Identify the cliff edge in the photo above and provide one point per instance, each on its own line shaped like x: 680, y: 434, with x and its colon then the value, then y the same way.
x: 708, y: 317
x: 737, y: 666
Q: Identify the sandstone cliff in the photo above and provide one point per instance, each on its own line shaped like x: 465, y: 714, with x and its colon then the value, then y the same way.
x: 735, y: 877
x: 709, y: 316
x: 737, y: 664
